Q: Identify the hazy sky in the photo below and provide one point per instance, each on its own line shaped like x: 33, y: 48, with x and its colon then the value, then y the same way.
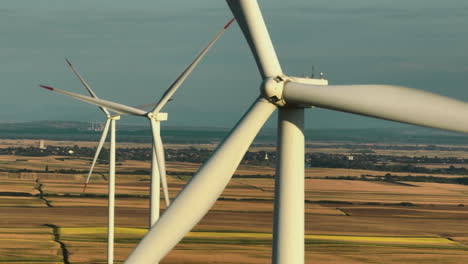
x: 130, y: 51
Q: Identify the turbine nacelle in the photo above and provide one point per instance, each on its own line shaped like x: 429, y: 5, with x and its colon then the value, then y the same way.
x: 158, y: 116
x: 303, y: 80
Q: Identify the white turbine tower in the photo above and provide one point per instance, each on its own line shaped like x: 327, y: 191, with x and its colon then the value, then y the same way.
x: 290, y: 95
x: 155, y: 117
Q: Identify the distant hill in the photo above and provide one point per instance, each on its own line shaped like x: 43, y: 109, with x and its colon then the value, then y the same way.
x: 81, y: 131
x: 414, y: 135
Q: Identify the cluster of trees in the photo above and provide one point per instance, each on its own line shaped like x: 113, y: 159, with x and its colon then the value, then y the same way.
x: 49, y: 151
x: 386, y: 163
x: 323, y: 160
x: 195, y: 155
x: 388, y: 177
x: 361, y: 147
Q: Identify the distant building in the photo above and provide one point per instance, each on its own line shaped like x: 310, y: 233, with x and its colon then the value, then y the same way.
x: 96, y: 126
x: 41, y: 144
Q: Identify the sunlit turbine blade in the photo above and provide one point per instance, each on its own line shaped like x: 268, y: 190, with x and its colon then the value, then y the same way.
x: 155, y: 190
x: 396, y: 103
x: 119, y: 108
x: 159, y: 150
x: 152, y: 105
x: 85, y: 84
x: 98, y: 151
x: 250, y: 20
x: 176, y: 84
x: 162, y: 165
x: 199, y: 195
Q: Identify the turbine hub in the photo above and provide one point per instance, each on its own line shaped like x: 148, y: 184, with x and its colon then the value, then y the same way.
x: 272, y: 90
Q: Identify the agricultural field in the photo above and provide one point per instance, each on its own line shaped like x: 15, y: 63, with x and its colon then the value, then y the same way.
x: 46, y: 218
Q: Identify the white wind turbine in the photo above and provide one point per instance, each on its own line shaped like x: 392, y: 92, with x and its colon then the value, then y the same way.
x: 155, y: 168
x: 290, y: 95
x: 105, y: 130
x: 111, y: 119
x: 155, y: 117
x: 154, y: 179
x: 111, y: 181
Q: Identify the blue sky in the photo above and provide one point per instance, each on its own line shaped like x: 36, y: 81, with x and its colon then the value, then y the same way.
x: 130, y: 51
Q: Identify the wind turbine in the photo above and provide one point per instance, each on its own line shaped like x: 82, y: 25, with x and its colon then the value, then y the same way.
x: 106, y: 112
x: 155, y: 171
x: 155, y: 116
x: 111, y: 189
x: 290, y: 95
x: 111, y: 182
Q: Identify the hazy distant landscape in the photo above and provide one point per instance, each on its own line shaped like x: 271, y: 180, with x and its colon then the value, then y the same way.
x: 411, y: 209
x: 81, y: 131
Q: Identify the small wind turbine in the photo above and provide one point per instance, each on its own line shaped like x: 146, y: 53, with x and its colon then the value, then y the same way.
x: 111, y: 119
x: 105, y: 130
x: 290, y: 95
x: 155, y: 171
x: 111, y: 181
x: 155, y: 116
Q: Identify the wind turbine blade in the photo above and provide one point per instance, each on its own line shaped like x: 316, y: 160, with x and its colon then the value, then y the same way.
x: 152, y: 105
x: 162, y: 166
x: 250, y: 20
x: 98, y: 151
x: 159, y: 149
x: 396, y: 103
x: 175, y: 85
x: 199, y: 195
x: 85, y: 84
x: 119, y: 108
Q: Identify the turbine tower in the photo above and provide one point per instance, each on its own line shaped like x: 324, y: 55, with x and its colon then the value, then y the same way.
x: 290, y: 95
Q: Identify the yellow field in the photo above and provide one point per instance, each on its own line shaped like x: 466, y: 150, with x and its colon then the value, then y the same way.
x: 233, y: 236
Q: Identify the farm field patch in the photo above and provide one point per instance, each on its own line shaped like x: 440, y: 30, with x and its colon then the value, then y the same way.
x: 346, y: 221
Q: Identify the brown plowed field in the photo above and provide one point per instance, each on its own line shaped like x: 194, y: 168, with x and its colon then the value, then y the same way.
x: 365, y: 213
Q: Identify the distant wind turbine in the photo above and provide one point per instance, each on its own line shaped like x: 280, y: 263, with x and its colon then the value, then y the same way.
x: 155, y: 116
x: 154, y: 190
x: 111, y: 119
x: 106, y: 112
x: 111, y: 181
